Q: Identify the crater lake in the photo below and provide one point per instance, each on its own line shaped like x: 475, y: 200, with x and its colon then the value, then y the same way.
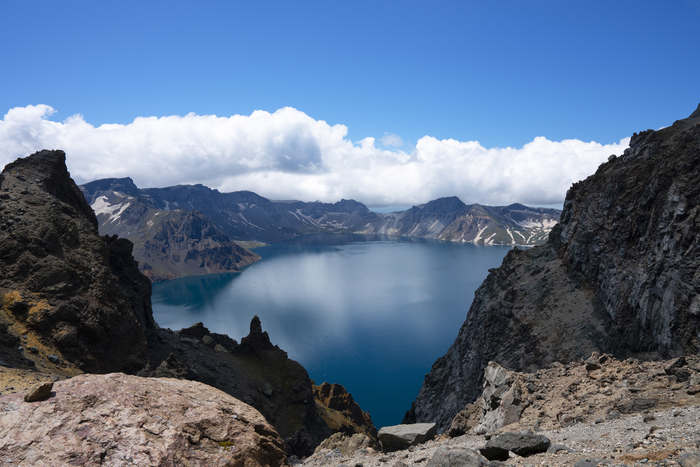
x: 370, y: 312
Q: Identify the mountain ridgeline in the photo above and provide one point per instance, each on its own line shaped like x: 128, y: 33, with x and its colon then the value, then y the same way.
x: 620, y: 274
x: 191, y: 229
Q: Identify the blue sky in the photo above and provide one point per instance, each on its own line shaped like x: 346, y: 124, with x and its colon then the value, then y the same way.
x: 500, y: 73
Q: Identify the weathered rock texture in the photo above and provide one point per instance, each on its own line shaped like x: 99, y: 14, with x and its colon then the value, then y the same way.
x: 394, y: 438
x: 618, y: 275
x: 340, y: 411
x: 78, y: 296
x: 118, y: 419
x: 254, y: 371
x: 578, y: 393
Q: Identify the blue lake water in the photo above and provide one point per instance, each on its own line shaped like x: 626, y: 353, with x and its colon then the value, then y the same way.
x: 370, y: 312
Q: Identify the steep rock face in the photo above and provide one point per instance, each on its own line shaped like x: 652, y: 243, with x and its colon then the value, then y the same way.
x: 618, y: 275
x: 167, y: 243
x: 74, y: 293
x: 118, y: 419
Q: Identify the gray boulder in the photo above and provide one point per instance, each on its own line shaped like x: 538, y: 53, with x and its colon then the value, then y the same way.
x: 456, y: 458
x: 395, y: 438
x: 500, y: 401
x: 522, y: 443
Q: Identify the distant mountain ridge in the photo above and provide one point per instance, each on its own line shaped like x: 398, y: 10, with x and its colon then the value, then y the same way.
x: 167, y: 244
x: 246, y: 216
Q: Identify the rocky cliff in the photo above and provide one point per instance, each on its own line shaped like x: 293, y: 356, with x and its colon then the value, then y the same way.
x: 167, y: 243
x: 74, y: 302
x: 77, y: 296
x: 138, y: 214
x: 619, y: 274
x: 254, y: 371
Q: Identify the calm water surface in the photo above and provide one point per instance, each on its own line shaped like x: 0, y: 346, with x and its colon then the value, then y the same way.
x: 369, y: 312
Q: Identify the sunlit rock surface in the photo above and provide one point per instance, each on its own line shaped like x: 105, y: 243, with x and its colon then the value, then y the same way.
x: 116, y: 419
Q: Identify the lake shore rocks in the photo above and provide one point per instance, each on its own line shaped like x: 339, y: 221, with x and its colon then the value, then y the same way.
x: 117, y: 419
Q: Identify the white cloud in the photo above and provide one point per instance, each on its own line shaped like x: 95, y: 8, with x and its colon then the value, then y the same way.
x: 390, y: 139
x: 289, y: 155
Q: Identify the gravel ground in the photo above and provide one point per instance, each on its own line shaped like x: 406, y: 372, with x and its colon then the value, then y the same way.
x: 625, y: 441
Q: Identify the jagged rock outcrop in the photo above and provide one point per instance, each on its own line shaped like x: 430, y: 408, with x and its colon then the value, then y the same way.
x: 118, y: 419
x: 254, y: 371
x: 340, y: 411
x: 78, y: 297
x: 137, y: 214
x: 619, y: 275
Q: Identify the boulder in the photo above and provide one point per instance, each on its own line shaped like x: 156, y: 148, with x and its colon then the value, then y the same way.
x: 456, y: 458
x: 38, y: 391
x: 500, y: 401
x: 465, y: 420
x: 116, y: 419
x: 522, y: 443
x: 395, y: 438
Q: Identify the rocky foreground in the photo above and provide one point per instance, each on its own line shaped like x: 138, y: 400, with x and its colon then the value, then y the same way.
x: 596, y: 412
x: 618, y: 275
x: 117, y: 419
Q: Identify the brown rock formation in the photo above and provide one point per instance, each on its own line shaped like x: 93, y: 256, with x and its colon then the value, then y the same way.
x: 618, y: 275
x: 340, y: 411
x: 117, y: 419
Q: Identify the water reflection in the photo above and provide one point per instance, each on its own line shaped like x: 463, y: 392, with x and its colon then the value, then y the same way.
x: 370, y: 312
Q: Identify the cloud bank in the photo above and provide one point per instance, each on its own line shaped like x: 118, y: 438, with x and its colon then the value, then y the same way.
x: 289, y: 155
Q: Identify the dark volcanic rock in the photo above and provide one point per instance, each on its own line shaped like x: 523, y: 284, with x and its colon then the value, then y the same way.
x: 522, y: 443
x: 73, y: 290
x: 618, y: 275
x: 73, y: 301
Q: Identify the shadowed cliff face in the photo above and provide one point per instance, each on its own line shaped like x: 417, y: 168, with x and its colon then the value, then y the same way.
x: 72, y: 292
x: 618, y: 275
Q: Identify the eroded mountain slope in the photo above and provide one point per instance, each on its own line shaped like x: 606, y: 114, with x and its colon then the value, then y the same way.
x: 618, y: 275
